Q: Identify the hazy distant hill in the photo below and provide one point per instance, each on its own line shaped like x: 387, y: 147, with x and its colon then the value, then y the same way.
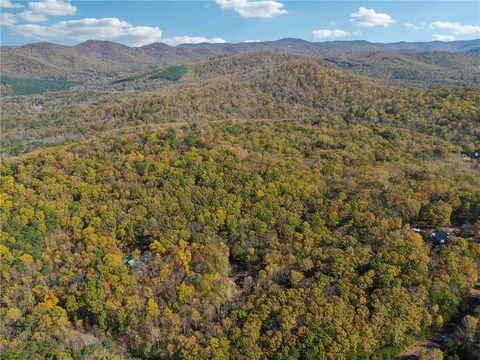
x: 430, y: 63
x: 302, y: 47
x: 87, y: 60
x: 417, y: 68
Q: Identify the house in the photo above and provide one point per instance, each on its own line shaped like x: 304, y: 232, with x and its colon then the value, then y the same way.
x: 129, y: 260
x: 439, y: 237
x: 474, y: 155
x: 38, y: 105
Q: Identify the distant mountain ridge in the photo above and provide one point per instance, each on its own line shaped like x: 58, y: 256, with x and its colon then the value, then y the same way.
x: 87, y: 60
x: 357, y: 45
x: 95, y: 59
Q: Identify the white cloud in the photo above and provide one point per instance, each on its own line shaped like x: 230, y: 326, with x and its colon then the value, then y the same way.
x: 253, y: 9
x: 251, y: 41
x: 39, y: 11
x: 440, y: 37
x: 52, y: 7
x: 369, y: 18
x: 456, y: 27
x: 177, y: 40
x: 8, y: 19
x: 90, y: 28
x: 328, y: 34
x: 7, y: 4
x: 415, y: 27
x: 30, y: 16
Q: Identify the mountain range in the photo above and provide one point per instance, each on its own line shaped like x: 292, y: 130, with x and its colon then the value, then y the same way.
x: 423, y: 63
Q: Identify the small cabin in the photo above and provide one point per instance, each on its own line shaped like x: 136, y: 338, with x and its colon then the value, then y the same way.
x: 439, y: 237
x: 474, y: 155
x: 38, y: 105
x: 129, y: 260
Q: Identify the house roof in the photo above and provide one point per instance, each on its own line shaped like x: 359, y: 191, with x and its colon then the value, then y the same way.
x: 440, y: 235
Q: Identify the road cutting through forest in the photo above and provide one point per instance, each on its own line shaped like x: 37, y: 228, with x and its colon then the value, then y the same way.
x: 440, y: 338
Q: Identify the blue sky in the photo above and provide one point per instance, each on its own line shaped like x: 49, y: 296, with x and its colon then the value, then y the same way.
x: 137, y: 23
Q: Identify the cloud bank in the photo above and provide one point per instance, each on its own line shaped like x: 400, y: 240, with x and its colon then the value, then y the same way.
x: 112, y: 29
x: 91, y: 28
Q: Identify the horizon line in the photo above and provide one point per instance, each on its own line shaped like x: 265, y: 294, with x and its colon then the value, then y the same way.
x: 244, y: 42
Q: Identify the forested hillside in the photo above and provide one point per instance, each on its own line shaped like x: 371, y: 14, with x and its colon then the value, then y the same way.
x: 251, y: 86
x: 86, y: 61
x: 418, y: 68
x: 249, y: 206
x: 247, y: 239
x: 422, y: 64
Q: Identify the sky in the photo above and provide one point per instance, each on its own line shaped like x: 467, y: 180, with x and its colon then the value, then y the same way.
x: 137, y: 23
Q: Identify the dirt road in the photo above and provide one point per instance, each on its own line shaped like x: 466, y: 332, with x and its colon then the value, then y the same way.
x: 439, y: 339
